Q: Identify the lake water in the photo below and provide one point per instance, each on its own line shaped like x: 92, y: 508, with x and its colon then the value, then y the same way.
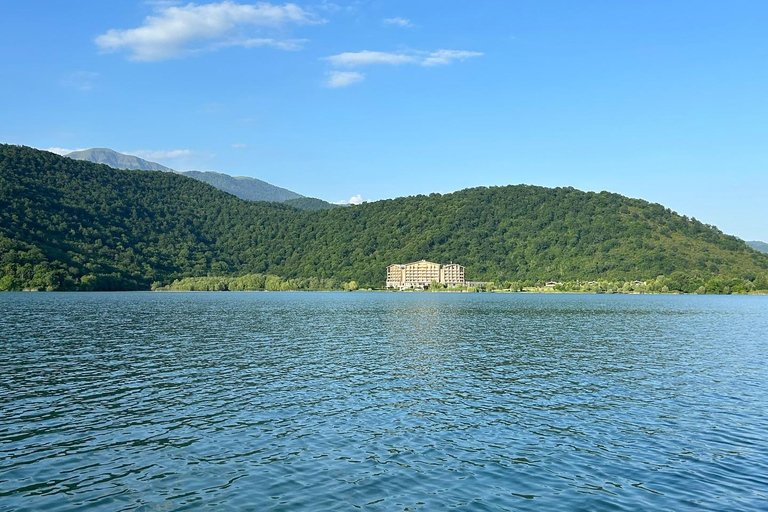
x: 382, y: 401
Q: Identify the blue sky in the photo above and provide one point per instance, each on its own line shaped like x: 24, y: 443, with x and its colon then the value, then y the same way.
x: 661, y: 100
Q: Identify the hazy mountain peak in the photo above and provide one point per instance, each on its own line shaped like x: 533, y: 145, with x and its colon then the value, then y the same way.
x: 117, y: 160
x: 243, y: 187
x: 758, y: 246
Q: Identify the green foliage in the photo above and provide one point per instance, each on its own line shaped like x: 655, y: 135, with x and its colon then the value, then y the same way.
x: 67, y: 224
x: 661, y: 284
x: 254, y: 282
x: 310, y: 204
x: 434, y: 286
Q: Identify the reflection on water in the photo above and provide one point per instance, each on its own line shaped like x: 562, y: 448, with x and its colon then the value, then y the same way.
x: 385, y: 401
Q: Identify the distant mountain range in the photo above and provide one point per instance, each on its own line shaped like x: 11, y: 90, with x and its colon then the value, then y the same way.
x: 117, y: 160
x: 758, y: 246
x: 243, y: 187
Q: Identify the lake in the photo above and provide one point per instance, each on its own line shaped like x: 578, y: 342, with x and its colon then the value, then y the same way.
x: 382, y: 401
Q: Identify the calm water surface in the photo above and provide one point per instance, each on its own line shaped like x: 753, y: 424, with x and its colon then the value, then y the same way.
x: 382, y: 401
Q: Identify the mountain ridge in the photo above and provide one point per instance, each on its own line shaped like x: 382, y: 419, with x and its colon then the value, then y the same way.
x: 244, y: 187
x: 252, y: 189
x: 758, y: 246
x: 117, y: 160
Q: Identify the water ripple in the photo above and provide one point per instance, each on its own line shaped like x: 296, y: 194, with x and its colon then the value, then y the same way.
x: 332, y: 401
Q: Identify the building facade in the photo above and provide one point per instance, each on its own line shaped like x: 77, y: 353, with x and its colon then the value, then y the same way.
x: 420, y: 274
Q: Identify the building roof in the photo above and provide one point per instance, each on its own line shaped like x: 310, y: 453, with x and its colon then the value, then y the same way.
x: 423, y: 261
x: 402, y: 265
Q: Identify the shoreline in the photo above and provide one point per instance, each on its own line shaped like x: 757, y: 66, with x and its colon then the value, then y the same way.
x: 378, y: 290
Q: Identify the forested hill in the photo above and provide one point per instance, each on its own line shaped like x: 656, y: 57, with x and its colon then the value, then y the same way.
x: 310, y: 203
x: 758, y: 246
x: 67, y: 224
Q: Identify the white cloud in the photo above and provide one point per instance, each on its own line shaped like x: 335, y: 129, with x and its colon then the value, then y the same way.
x: 153, y: 154
x: 239, y: 146
x: 291, y: 45
x: 357, y: 199
x: 175, y: 31
x: 325, y: 5
x: 443, y: 57
x: 365, y: 58
x: 80, y: 80
x: 398, y: 22
x: 337, y: 79
x: 62, y: 151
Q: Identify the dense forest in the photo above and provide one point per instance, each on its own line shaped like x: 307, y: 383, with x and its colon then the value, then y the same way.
x: 68, y: 224
x: 310, y: 203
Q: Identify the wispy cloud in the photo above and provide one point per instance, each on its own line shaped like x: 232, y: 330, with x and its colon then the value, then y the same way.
x: 179, y: 159
x: 177, y: 31
x: 154, y: 154
x: 238, y: 145
x: 291, y: 45
x: 444, y: 57
x: 356, y: 199
x: 338, y: 79
x: 367, y: 58
x: 62, y: 151
x: 325, y: 5
x: 80, y: 80
x: 398, y: 22
x: 162, y: 3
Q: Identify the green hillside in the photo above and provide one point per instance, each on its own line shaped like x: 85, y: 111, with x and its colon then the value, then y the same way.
x: 310, y: 203
x: 68, y: 224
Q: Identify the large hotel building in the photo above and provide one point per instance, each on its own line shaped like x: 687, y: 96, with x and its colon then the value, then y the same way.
x: 420, y: 274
